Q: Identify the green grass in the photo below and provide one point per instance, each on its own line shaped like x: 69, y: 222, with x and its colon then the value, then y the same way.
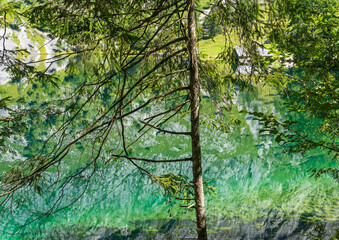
x: 211, y: 47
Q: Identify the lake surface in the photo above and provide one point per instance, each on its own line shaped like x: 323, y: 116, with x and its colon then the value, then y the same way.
x: 261, y: 191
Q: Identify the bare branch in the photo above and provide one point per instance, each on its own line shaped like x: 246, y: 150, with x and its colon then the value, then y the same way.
x: 166, y: 131
x: 153, y: 161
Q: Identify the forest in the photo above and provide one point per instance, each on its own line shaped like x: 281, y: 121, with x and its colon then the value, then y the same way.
x: 169, y: 119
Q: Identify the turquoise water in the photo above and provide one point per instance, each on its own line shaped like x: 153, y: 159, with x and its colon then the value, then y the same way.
x: 261, y: 191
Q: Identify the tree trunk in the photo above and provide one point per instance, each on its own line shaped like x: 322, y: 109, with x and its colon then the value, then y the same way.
x: 196, y: 148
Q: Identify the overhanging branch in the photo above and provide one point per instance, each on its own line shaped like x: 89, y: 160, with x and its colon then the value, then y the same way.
x: 166, y: 131
x: 153, y: 161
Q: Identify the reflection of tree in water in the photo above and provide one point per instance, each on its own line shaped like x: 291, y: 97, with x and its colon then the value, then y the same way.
x: 244, y: 184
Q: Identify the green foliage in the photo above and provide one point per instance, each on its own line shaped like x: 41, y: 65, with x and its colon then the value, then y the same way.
x: 211, y: 25
x: 176, y: 186
x: 13, y: 123
x: 311, y: 35
x: 296, y: 141
x: 318, y: 172
x: 316, y: 98
x: 307, y: 31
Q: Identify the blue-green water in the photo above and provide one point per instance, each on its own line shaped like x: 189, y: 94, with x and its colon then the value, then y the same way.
x: 261, y: 192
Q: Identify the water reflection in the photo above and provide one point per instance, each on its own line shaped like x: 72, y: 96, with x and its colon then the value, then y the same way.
x: 262, y: 193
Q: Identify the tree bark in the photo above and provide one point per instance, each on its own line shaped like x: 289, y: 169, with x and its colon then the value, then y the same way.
x: 195, y: 101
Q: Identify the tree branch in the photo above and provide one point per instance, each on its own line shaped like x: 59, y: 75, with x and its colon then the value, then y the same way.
x: 150, y: 160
